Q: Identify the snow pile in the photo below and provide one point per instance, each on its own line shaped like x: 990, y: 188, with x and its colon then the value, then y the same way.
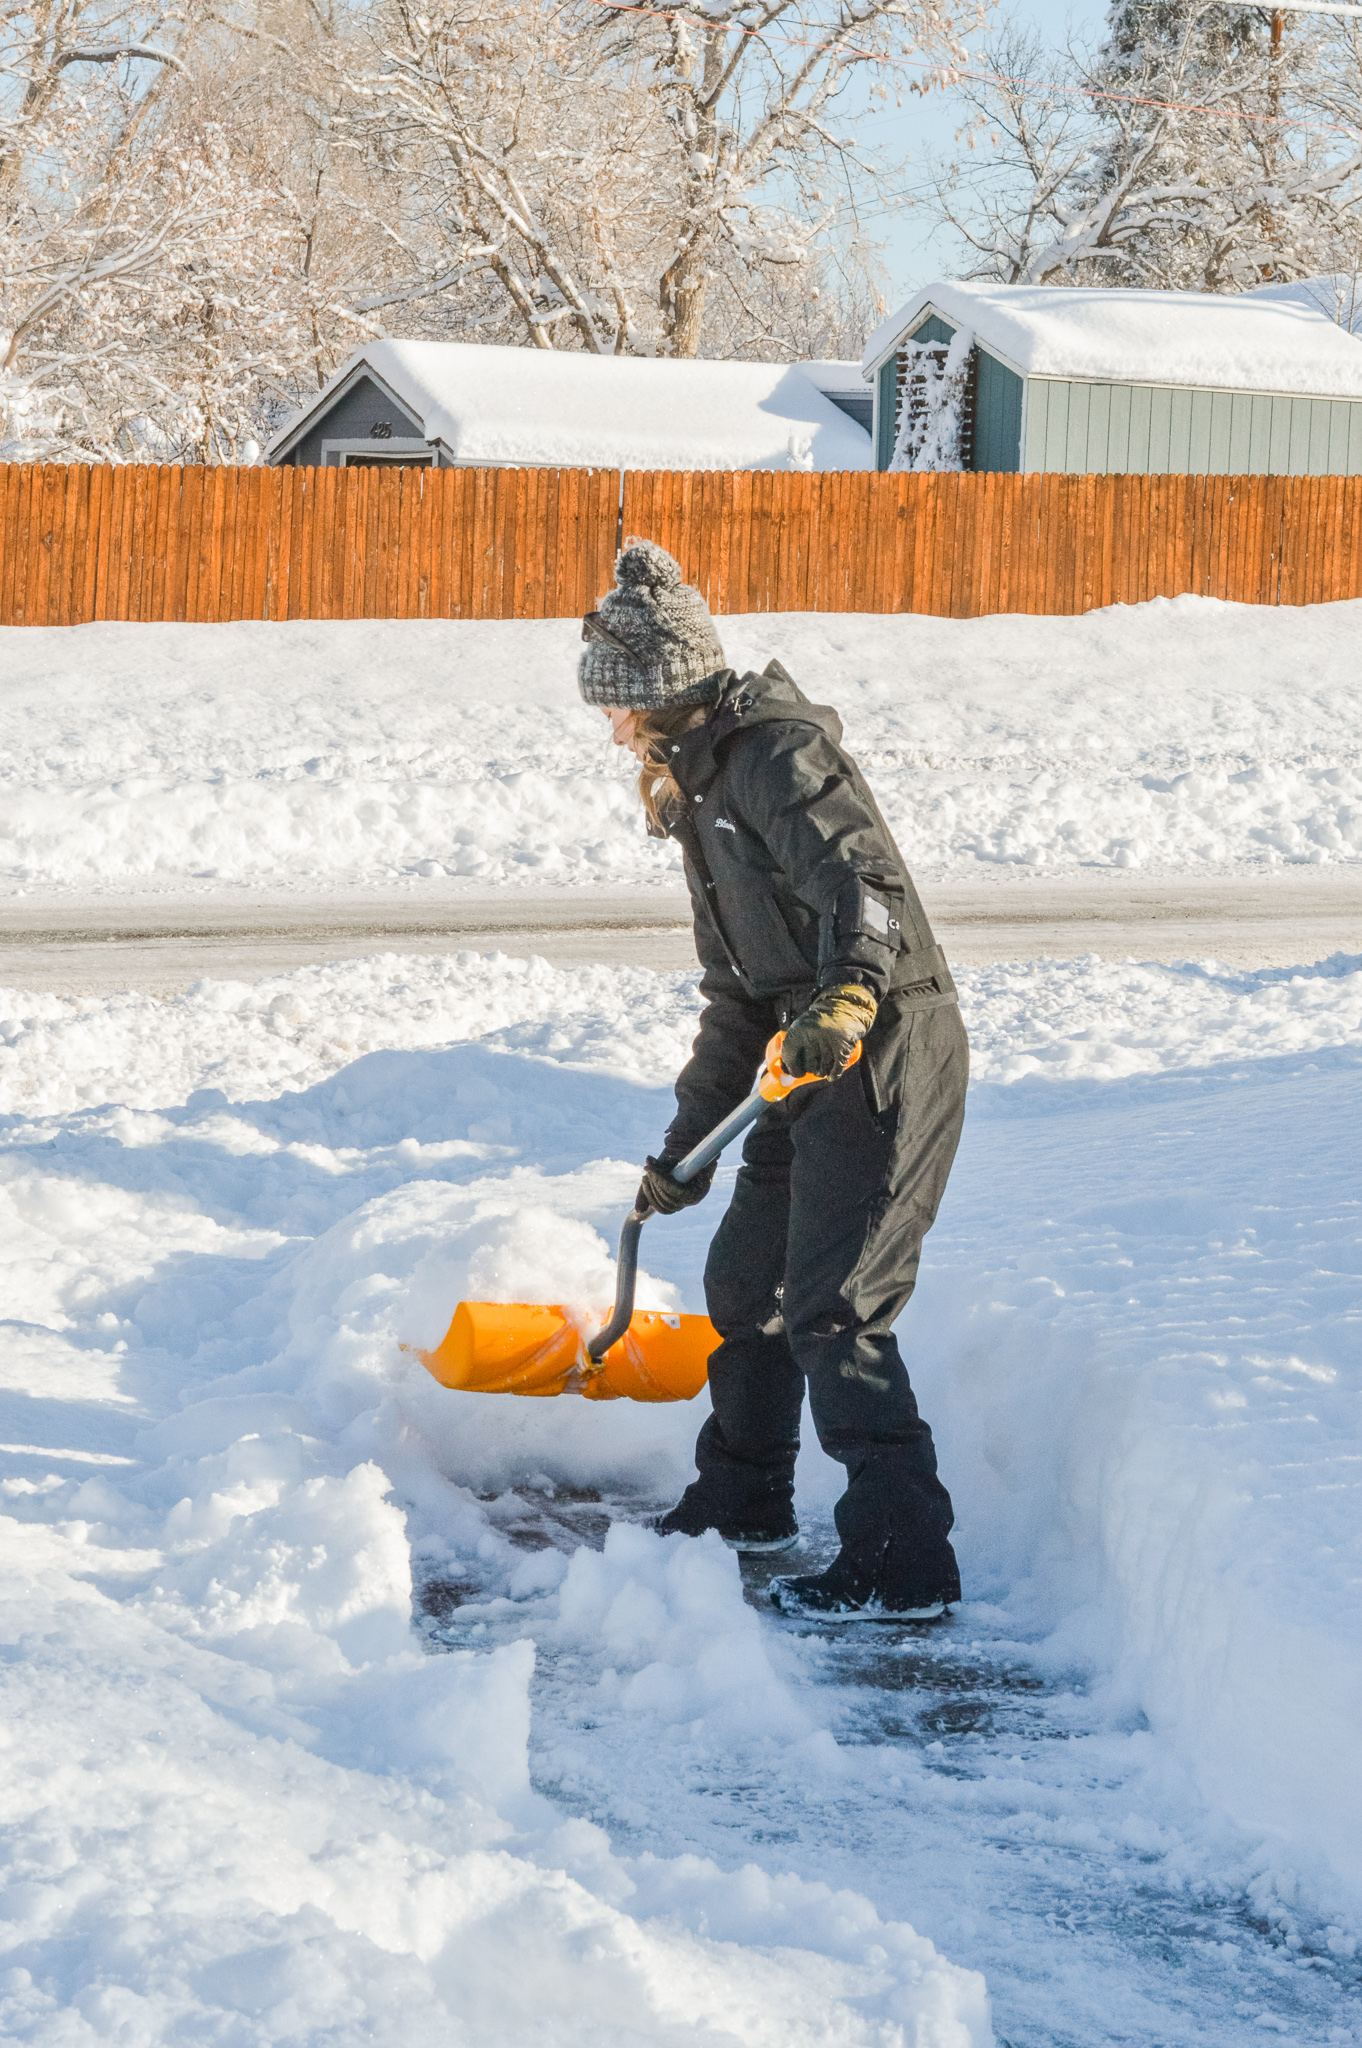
x: 1180, y: 735
x: 508, y: 406
x: 259, y: 1825
x: 269, y: 1806
x: 1148, y: 1395
x: 65, y: 1052
x: 1252, y: 342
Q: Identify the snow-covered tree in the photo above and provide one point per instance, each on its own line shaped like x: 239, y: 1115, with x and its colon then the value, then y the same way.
x: 178, y: 248
x: 204, y: 206
x: 1203, y: 145
x: 618, y: 180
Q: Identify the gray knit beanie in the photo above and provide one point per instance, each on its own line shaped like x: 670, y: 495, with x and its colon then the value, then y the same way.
x: 652, y: 645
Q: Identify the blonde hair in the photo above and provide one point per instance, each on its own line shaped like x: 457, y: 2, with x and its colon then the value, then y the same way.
x: 657, y: 788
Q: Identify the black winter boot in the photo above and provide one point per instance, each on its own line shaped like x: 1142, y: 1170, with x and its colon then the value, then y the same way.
x: 846, y: 1593
x: 765, y: 1523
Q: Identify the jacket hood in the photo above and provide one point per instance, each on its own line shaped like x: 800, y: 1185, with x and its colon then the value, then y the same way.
x: 772, y: 697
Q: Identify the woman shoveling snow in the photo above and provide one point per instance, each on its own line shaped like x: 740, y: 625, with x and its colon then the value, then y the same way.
x: 806, y: 921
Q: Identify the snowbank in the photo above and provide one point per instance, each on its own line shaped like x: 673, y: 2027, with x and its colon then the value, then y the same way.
x: 1148, y: 1384
x: 1180, y: 735
x: 1076, y: 1020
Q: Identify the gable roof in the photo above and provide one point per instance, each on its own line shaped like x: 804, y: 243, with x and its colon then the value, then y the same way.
x: 508, y: 406
x: 1244, y: 343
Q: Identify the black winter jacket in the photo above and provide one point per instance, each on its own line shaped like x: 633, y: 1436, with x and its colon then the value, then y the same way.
x: 795, y: 882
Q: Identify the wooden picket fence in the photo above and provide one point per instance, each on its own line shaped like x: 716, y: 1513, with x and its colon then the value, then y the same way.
x: 81, y: 542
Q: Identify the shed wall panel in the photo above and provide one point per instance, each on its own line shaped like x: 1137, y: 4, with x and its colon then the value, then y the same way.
x: 1057, y: 428
x: 1296, y: 437
x: 1099, y: 430
x: 1161, y: 460
x: 998, y: 416
x: 1076, y: 430
x: 1339, y: 410
x: 933, y: 330
x: 1179, y: 432
x: 1118, y: 427
x: 1037, y: 423
x: 1079, y: 428
x: 1141, y: 429
x: 1218, y: 438
x: 1260, y: 452
x: 886, y: 400
x: 1199, y: 410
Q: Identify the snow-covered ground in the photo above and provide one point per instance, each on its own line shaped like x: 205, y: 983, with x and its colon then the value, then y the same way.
x: 341, y: 1709
x: 619, y: 1802
x: 1183, y: 735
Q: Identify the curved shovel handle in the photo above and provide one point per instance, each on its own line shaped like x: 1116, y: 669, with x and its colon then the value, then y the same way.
x: 626, y: 1276
x: 773, y: 1085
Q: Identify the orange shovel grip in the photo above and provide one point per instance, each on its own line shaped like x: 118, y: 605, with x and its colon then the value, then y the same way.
x: 775, y: 1084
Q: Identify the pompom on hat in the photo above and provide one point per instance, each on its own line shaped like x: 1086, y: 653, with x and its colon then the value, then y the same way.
x: 652, y: 644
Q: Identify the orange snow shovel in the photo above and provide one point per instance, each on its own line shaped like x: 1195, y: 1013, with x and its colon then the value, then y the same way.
x: 496, y: 1347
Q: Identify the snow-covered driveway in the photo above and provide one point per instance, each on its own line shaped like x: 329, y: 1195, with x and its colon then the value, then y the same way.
x: 596, y: 1794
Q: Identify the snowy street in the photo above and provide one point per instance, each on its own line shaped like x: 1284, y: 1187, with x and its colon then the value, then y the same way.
x: 343, y: 1709
x: 162, y: 945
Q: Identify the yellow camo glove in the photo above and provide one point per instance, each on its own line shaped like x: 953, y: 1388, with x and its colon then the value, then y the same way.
x: 822, y: 1038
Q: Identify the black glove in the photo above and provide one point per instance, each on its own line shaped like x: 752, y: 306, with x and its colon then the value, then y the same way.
x: 657, y: 1190
x: 822, y: 1038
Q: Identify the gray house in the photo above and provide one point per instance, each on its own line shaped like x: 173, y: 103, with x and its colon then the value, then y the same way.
x: 1062, y: 378
x: 448, y: 404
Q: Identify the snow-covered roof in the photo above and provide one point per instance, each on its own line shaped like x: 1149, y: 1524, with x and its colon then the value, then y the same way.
x: 507, y: 406
x: 1337, y: 294
x: 1246, y: 343
x: 833, y: 375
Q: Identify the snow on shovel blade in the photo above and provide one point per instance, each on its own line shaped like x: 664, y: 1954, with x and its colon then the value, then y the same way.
x: 495, y: 1347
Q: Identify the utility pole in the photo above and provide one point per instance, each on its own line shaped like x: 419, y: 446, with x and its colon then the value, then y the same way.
x: 1274, y: 112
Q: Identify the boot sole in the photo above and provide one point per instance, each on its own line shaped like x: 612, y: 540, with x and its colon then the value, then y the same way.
x: 761, y: 1546
x: 797, y: 1611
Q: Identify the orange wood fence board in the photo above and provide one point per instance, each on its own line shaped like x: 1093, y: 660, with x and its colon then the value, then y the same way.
x: 154, y: 542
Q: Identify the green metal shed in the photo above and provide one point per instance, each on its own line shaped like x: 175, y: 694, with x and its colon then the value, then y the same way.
x: 1099, y: 381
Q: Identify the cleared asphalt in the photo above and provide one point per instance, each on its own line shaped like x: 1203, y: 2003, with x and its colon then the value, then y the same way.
x: 163, y: 944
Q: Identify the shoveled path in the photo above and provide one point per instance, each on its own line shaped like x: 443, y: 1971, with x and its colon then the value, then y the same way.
x: 65, y: 943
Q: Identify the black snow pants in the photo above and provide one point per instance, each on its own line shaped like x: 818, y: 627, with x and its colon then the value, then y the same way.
x: 813, y: 1261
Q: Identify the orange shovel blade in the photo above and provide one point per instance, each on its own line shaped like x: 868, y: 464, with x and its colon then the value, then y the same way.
x: 659, y: 1358
x: 514, y: 1348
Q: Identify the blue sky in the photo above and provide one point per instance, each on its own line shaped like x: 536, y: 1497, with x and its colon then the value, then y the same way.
x: 913, y: 255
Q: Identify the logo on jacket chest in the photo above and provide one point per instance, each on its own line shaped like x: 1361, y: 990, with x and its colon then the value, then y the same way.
x: 725, y: 825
